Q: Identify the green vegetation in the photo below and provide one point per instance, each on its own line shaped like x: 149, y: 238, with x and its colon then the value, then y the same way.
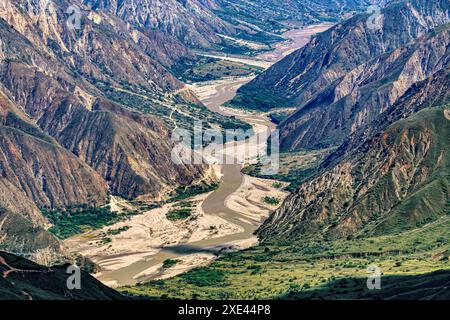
x: 184, y: 204
x: 105, y: 240
x: 169, y: 263
x: 207, y: 69
x: 429, y: 286
x: 179, y: 214
x: 259, y: 100
x: 204, y: 277
x: 165, y: 108
x: 278, y: 116
x: 233, y: 47
x: 114, y: 232
x: 182, y: 193
x: 271, y: 200
x: 277, y: 185
x: 75, y: 220
x: 295, y: 167
x: 284, y: 270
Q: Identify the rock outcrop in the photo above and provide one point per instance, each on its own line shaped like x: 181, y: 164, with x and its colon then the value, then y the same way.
x: 385, y: 103
x: 351, y: 73
x: 394, y: 182
x: 62, y: 141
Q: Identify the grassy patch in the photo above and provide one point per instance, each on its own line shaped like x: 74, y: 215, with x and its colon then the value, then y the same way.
x: 271, y: 200
x: 105, y: 240
x: 207, y: 69
x: 203, y: 277
x: 179, y: 214
x: 75, y: 220
x: 184, y: 204
x: 114, y: 232
x: 271, y: 271
x: 169, y: 263
x: 182, y: 193
x: 260, y: 100
x: 277, y: 185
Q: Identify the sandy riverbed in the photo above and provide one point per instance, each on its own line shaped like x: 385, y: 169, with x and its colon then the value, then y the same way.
x: 222, y: 220
x: 151, y: 231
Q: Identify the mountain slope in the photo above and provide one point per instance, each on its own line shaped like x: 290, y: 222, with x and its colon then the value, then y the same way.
x: 202, y: 24
x: 331, y: 70
x: 434, y: 90
x: 396, y: 181
x: 37, y: 172
x: 24, y: 280
x: 102, y: 47
x: 130, y: 150
x: 189, y: 21
x: 358, y: 98
x: 430, y: 286
x: 335, y: 52
x: 275, y: 15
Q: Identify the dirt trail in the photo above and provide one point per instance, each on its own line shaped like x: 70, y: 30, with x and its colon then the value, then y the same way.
x: 6, y: 273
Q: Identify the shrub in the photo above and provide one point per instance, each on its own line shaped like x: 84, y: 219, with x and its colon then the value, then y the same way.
x: 203, y: 277
x: 75, y: 220
x: 169, y: 263
x: 179, y: 214
x: 271, y: 200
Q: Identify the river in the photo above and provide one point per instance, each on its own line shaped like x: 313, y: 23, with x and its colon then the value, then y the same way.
x: 213, y: 95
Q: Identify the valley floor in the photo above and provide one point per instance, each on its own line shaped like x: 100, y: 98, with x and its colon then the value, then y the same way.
x: 137, y: 250
x: 136, y: 254
x: 326, y: 269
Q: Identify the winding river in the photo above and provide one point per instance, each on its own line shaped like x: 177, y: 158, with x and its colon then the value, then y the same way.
x: 214, y: 204
x: 232, y: 178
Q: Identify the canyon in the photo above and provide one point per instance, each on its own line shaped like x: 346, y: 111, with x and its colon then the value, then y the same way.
x: 225, y: 219
x: 89, y: 115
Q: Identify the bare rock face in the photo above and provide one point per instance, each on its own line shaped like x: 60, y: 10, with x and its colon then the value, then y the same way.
x: 385, y: 104
x: 37, y: 172
x: 192, y: 22
x: 63, y: 143
x: 393, y: 182
x: 352, y: 64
